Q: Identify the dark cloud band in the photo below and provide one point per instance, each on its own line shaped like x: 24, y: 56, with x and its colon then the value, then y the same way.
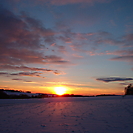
x: 113, y: 79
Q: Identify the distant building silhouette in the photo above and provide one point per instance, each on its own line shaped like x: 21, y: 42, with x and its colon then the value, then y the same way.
x: 129, y: 90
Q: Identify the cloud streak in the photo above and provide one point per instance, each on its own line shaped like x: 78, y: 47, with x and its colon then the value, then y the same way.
x: 123, y: 58
x: 63, y: 2
x: 30, y: 74
x: 123, y: 55
x: 25, y: 40
x: 113, y: 79
x: 26, y: 68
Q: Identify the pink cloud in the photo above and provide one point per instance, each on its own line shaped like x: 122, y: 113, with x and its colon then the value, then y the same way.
x: 123, y: 55
x: 59, y: 48
x: 64, y: 2
x: 31, y: 74
x: 61, y: 2
x: 123, y: 58
x: 21, y: 40
x: 128, y: 37
x: 25, y: 68
x: 126, y: 52
x: 114, y: 79
x: 17, y: 79
x: 77, y: 56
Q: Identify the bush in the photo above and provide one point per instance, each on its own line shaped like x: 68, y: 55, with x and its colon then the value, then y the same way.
x: 129, y: 90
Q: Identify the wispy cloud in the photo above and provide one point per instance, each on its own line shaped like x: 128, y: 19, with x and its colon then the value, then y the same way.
x: 123, y: 55
x: 92, y: 44
x: 31, y: 74
x: 3, y: 73
x: 28, y: 41
x: 23, y: 41
x: 113, y: 79
x: 17, y: 79
x: 63, y: 2
x: 25, y: 81
x: 26, y: 68
x: 123, y: 58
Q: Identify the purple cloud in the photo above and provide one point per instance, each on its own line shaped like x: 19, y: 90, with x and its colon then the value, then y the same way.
x: 31, y: 74
x: 128, y: 37
x: 123, y: 58
x: 62, y: 2
x: 123, y: 55
x: 17, y: 79
x: 26, y: 68
x: 3, y: 73
x: 113, y: 79
x: 22, y: 42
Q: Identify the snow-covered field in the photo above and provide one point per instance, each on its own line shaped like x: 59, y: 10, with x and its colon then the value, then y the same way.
x: 112, y: 114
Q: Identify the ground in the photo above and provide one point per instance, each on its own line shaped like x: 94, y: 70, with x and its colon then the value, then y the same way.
x: 112, y: 114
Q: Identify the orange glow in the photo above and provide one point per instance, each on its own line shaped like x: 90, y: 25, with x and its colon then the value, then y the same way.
x: 60, y: 90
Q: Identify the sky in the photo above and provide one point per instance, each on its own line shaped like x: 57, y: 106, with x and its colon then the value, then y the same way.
x: 85, y: 46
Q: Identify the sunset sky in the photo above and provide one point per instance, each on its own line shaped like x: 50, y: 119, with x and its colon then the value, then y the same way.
x: 85, y: 46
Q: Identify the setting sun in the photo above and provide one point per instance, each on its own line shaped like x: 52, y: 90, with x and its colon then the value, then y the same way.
x: 60, y: 90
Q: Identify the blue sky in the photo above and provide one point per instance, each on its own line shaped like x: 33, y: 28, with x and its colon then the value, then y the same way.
x: 83, y: 45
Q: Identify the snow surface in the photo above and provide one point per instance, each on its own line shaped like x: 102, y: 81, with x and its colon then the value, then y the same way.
x: 113, y: 114
x: 21, y: 93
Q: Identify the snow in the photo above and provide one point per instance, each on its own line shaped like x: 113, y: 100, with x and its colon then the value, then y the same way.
x: 21, y: 93
x: 10, y: 93
x: 113, y: 114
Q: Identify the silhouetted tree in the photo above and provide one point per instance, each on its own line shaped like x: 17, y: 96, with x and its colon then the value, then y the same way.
x: 129, y: 90
x: 3, y: 95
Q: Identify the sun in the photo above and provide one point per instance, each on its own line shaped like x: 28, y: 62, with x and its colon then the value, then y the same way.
x: 60, y: 90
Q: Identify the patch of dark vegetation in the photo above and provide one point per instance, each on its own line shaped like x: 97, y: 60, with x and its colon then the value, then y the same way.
x: 129, y: 90
x: 106, y: 95
x: 3, y: 95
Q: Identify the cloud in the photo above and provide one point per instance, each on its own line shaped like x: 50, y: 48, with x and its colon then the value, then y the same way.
x: 127, y: 52
x: 25, y: 81
x: 28, y: 81
x: 17, y: 79
x: 123, y: 55
x: 24, y: 40
x: 105, y: 38
x: 123, y: 58
x: 77, y: 56
x: 93, y: 42
x: 3, y: 73
x: 26, y: 68
x: 58, y: 48
x: 125, y: 84
x: 113, y: 79
x: 6, y: 88
x: 31, y: 74
x: 53, y: 59
x: 64, y: 2
x: 128, y: 40
x: 28, y: 41
x: 128, y: 37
